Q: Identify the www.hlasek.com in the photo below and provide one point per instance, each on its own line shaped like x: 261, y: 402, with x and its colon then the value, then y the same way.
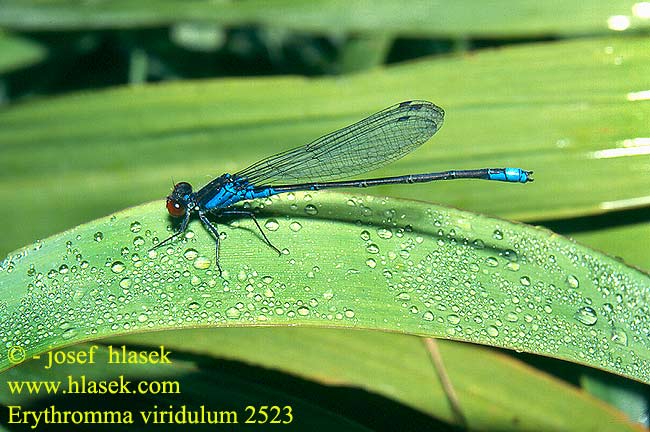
x: 82, y: 385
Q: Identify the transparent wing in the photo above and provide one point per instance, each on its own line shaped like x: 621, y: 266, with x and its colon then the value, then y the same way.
x: 364, y: 146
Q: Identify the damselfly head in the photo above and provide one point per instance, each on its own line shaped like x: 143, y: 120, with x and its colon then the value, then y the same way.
x: 177, y: 202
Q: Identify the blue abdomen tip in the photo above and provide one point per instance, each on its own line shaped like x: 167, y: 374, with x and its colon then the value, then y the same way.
x: 512, y: 175
x: 517, y: 175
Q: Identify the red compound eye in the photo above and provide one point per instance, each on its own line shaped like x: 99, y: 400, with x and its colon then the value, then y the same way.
x: 175, y: 208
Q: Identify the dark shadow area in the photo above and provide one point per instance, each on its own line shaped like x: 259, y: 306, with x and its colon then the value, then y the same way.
x: 597, y: 222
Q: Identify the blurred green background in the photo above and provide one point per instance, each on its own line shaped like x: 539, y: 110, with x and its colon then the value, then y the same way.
x: 103, y: 103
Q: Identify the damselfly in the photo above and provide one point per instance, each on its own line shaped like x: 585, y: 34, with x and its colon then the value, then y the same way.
x: 364, y: 146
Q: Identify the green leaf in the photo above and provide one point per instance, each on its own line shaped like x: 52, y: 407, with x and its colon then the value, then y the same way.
x: 494, y: 389
x: 420, y: 18
x: 628, y: 396
x: 17, y: 52
x: 71, y: 159
x: 348, y: 261
x: 365, y: 51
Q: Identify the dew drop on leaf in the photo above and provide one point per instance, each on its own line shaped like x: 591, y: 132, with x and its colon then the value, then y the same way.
x: 233, y: 313
x: 272, y: 225
x: 117, y: 267
x: 586, y: 315
x: 311, y: 209
x: 202, y: 263
x: 573, y: 281
x: 372, y: 248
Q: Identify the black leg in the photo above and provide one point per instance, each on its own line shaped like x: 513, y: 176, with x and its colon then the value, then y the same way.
x: 215, y: 233
x: 178, y: 232
x: 252, y: 216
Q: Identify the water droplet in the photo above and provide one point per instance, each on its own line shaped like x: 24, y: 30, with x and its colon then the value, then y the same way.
x: 497, y: 234
x: 63, y: 269
x: 524, y: 280
x: 491, y: 262
x: 453, y: 319
x: 384, y: 233
x: 619, y: 336
x: 136, y: 227
x: 117, y: 267
x: 99, y: 236
x: 513, y: 266
x: 586, y: 315
x: 510, y: 255
x: 311, y: 209
x: 371, y: 263
x: 272, y: 225
x: 428, y: 316
x: 573, y: 281
x: 191, y: 254
x: 618, y: 22
x: 142, y: 318
x: 372, y: 248
x: 138, y: 241
x: 69, y: 333
x: 202, y: 263
x: 641, y: 10
x: 404, y: 296
x: 493, y: 331
x: 194, y: 306
x: 303, y: 310
x: 233, y: 313
x: 365, y: 235
x: 349, y: 313
x: 295, y: 226
x: 125, y: 283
